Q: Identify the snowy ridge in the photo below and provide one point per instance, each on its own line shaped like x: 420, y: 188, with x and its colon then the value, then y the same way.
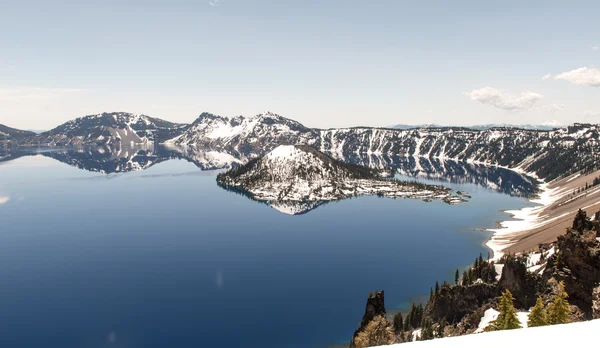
x: 252, y: 135
x: 110, y: 129
x: 533, y: 151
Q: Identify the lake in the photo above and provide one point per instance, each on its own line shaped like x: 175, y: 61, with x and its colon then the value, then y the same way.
x: 163, y: 257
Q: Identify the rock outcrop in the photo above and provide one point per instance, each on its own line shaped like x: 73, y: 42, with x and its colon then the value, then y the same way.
x: 455, y: 302
x: 522, y: 284
x: 596, y: 303
x: 577, y: 264
x: 375, y: 307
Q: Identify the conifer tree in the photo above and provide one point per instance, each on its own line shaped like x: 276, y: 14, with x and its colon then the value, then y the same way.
x: 426, y: 329
x: 456, y: 277
x: 507, y: 319
x: 558, y: 311
x: 430, y: 294
x: 537, y: 317
x: 437, y: 288
x: 465, y: 278
x: 398, y: 323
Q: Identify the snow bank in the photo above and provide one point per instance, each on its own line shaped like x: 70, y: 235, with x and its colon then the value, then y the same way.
x: 524, y: 219
x: 492, y: 314
x: 545, y: 336
x: 489, y: 316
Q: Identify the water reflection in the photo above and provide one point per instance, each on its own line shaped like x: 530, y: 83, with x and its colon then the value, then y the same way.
x: 495, y: 178
x: 126, y: 159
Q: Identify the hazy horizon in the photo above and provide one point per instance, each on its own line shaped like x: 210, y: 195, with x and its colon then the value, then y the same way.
x: 323, y: 63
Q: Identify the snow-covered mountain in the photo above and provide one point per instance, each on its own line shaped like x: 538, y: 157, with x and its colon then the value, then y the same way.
x: 546, y: 153
x: 248, y: 135
x: 109, y: 129
x: 8, y: 133
x: 299, y: 173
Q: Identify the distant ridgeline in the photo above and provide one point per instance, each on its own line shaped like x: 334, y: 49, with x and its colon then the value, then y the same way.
x: 559, y: 283
x: 549, y: 154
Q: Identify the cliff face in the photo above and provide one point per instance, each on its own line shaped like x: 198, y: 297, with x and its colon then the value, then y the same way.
x: 522, y: 284
x: 375, y: 307
x: 577, y: 264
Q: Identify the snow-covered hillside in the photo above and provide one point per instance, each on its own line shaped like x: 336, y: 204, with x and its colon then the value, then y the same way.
x: 8, y: 133
x: 549, y: 154
x: 299, y: 173
x: 544, y: 336
x: 109, y: 129
x: 249, y: 135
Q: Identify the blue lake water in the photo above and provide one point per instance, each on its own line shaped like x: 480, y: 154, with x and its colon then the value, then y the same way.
x: 165, y: 258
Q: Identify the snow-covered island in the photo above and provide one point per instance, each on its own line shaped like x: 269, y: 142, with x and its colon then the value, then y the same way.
x: 300, y: 173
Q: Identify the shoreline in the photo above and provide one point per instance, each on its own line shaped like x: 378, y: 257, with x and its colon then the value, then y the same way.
x: 552, y: 212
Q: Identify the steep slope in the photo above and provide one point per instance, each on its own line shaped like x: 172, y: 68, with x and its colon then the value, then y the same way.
x: 548, y: 154
x: 8, y: 133
x: 300, y: 173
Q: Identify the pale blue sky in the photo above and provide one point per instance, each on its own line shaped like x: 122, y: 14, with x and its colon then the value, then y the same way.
x: 324, y: 63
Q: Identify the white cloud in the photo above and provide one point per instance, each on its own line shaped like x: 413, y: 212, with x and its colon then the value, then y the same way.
x: 504, y: 100
x: 4, y: 199
x: 214, y: 3
x: 582, y: 77
x: 595, y: 48
x: 28, y: 93
x: 547, y: 76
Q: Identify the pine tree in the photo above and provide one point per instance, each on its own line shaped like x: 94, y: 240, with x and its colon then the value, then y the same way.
x: 456, y: 277
x: 507, y: 319
x: 406, y: 323
x: 430, y: 294
x: 465, y: 278
x: 398, y: 323
x: 426, y: 329
x: 558, y: 311
x: 437, y: 288
x: 537, y: 317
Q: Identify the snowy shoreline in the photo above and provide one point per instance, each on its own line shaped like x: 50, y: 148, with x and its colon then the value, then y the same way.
x: 523, y: 220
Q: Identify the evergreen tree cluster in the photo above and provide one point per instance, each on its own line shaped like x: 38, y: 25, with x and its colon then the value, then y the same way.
x: 482, y: 269
x: 557, y: 312
x: 414, y: 317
